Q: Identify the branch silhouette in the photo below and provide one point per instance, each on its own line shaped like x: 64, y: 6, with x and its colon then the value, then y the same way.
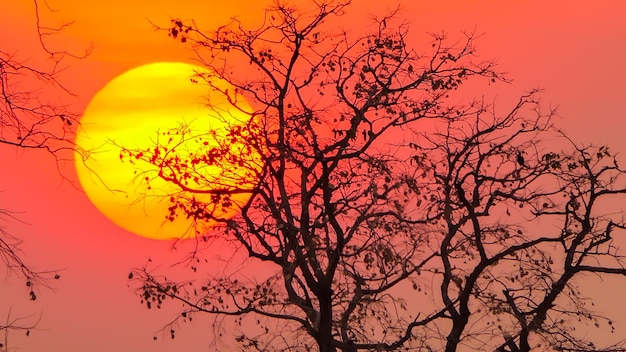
x: 30, y: 120
x: 395, y: 217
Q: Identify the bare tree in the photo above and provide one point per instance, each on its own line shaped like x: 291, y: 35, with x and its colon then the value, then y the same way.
x: 31, y: 118
x: 397, y: 215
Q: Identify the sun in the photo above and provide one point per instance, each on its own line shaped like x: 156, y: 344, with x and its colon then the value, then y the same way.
x: 135, y: 110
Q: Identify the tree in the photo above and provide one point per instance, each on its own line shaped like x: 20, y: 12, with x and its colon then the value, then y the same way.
x: 31, y: 121
x: 396, y: 215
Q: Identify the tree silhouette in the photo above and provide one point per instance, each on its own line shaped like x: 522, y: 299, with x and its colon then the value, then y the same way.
x: 396, y: 214
x: 30, y: 120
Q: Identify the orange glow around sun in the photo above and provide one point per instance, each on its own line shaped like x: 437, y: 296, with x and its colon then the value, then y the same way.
x: 131, y: 111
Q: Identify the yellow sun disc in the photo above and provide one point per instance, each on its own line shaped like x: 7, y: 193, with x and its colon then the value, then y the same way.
x: 134, y: 111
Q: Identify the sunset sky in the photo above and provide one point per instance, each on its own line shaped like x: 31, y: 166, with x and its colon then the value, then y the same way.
x: 574, y: 50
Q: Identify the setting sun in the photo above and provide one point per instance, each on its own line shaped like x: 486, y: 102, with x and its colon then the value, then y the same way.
x: 135, y: 110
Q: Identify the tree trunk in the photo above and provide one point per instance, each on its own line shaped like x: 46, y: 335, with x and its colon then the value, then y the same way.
x: 325, y: 327
x: 454, y: 337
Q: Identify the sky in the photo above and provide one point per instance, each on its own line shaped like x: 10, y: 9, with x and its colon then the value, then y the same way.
x: 574, y: 50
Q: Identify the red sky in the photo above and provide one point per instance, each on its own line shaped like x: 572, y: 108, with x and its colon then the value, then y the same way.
x: 575, y: 50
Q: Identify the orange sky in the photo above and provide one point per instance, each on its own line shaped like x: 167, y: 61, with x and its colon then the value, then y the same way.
x: 574, y: 50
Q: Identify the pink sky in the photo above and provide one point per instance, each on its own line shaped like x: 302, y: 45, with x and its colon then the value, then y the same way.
x: 574, y: 50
